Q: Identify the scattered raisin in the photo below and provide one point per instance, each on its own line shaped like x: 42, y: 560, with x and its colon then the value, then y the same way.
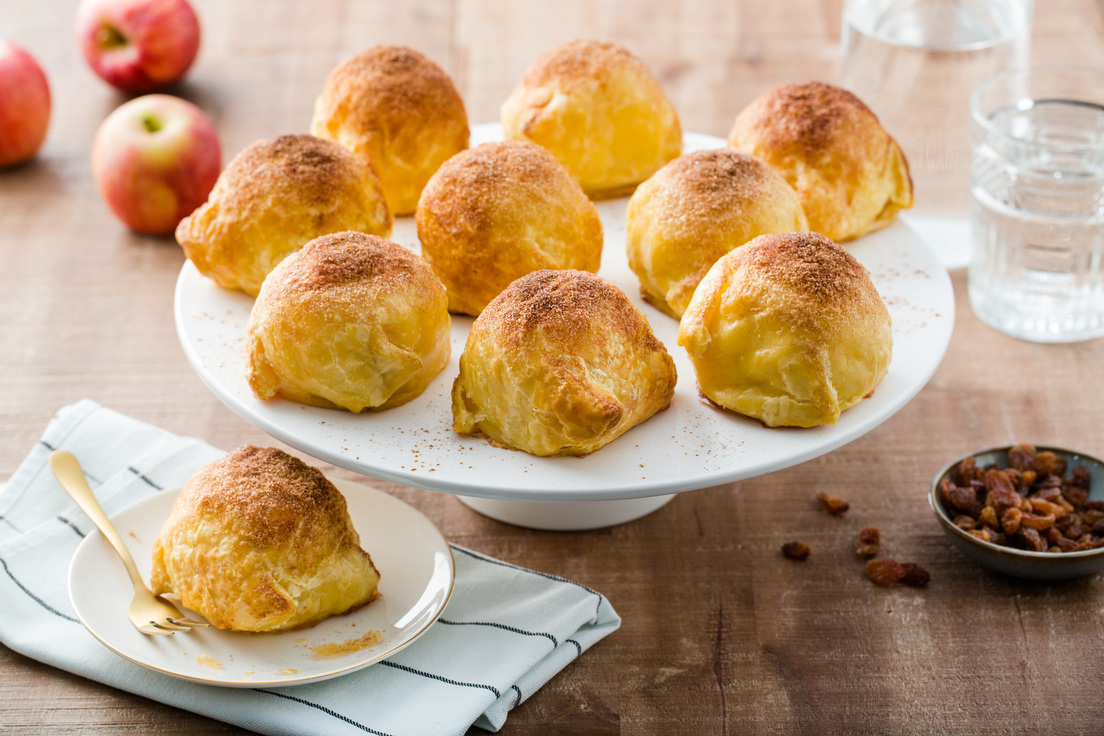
x: 868, y: 542
x: 884, y: 571
x: 915, y: 575
x: 834, y: 505
x: 797, y: 550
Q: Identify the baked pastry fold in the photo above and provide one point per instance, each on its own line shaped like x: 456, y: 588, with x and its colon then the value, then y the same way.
x: 599, y: 110
x: 259, y: 541
x: 351, y: 321
x: 787, y: 329
x: 850, y: 174
x: 693, y: 211
x: 560, y: 363
x: 272, y: 199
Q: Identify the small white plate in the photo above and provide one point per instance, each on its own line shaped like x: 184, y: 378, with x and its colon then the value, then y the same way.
x: 416, y: 577
x: 688, y: 446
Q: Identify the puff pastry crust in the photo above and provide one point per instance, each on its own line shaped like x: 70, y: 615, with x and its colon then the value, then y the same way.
x: 601, y: 113
x: 397, y: 110
x: 788, y: 329
x: 849, y: 172
x: 693, y: 211
x: 499, y: 211
x: 259, y: 541
x: 560, y: 363
x: 271, y: 199
x: 351, y: 321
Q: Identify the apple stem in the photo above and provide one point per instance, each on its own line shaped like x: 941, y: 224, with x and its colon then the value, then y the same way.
x: 109, y: 37
x: 151, y: 124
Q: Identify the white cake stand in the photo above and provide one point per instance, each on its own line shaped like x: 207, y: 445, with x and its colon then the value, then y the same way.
x: 687, y: 447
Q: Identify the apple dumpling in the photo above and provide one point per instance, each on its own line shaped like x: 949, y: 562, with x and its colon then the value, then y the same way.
x: 560, y: 363
x: 273, y: 198
x: 850, y: 174
x: 350, y: 321
x: 601, y: 113
x: 787, y: 329
x: 399, y: 112
x: 499, y: 211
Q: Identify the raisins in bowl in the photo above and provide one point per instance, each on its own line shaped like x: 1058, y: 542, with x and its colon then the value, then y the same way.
x: 1024, y: 510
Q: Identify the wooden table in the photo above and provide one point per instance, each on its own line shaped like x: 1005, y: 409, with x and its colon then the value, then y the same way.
x: 721, y: 634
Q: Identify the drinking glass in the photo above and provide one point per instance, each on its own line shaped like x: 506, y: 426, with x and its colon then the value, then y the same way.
x: 1037, y: 187
x: 915, y: 64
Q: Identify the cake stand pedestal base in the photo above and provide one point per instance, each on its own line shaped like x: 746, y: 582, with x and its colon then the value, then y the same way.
x: 560, y: 516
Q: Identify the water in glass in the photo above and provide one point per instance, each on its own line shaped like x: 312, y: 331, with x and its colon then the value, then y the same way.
x: 1038, y: 220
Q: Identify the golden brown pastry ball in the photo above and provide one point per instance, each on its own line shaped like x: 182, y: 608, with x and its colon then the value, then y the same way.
x: 560, y: 363
x: 351, y: 321
x: 693, y: 211
x: 850, y: 174
x: 788, y: 329
x: 275, y: 196
x: 395, y: 108
x: 600, y: 111
x: 260, y: 541
x: 499, y: 211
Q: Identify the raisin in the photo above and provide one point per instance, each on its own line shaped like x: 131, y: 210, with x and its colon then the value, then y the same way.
x: 945, y: 489
x: 1031, y: 539
x: 1091, y: 516
x: 884, y: 571
x: 868, y: 542
x: 1022, y: 456
x: 1036, y: 522
x: 982, y: 534
x: 1094, y: 505
x: 1047, y: 494
x: 966, y: 499
x: 797, y: 550
x: 966, y: 523
x: 1076, y: 495
x: 1047, y: 463
x: 1053, y: 535
x: 1048, y: 508
x: 835, y: 506
x: 988, y: 517
x: 1098, y: 528
x: 1029, y: 478
x: 1066, y: 545
x: 915, y: 575
x: 965, y: 472
x: 1081, y: 477
x: 1010, y: 520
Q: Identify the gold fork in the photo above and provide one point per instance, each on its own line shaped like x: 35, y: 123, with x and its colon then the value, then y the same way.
x: 149, y: 614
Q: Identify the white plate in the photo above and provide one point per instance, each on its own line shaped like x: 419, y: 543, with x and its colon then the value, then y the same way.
x: 686, y: 447
x: 416, y: 577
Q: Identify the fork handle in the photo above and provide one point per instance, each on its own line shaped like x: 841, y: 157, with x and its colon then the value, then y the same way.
x: 69, y: 474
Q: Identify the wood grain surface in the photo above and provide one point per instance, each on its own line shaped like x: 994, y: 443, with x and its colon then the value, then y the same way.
x: 721, y: 634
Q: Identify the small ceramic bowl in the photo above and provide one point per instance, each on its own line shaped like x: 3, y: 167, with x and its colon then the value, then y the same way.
x: 1009, y: 560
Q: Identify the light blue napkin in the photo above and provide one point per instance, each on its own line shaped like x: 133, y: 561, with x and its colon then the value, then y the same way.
x: 505, y: 632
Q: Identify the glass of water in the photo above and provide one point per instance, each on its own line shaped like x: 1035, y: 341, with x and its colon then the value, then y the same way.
x: 1037, y: 186
x: 915, y: 64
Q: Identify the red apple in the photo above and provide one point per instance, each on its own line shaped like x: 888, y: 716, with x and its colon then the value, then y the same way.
x: 24, y: 104
x: 138, y: 45
x: 155, y: 159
